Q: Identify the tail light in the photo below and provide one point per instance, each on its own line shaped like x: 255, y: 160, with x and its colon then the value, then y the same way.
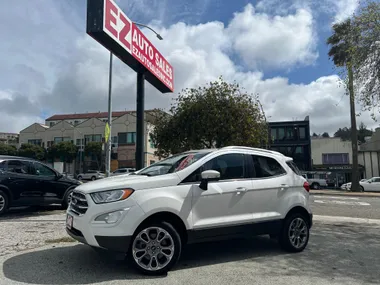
x: 306, y: 186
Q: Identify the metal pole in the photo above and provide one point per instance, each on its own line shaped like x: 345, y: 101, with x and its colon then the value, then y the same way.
x: 140, y: 121
x: 109, y: 142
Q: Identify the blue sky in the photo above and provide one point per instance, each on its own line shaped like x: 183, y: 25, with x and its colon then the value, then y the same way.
x: 273, y: 48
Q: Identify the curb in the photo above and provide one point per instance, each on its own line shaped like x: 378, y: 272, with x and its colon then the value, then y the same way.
x: 344, y: 193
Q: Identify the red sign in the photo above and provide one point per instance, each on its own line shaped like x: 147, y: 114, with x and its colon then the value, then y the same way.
x: 151, y: 58
x: 108, y: 24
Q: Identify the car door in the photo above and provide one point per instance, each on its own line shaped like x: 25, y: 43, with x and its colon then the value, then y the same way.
x: 23, y: 184
x: 223, y: 204
x: 270, y: 184
x: 51, y: 187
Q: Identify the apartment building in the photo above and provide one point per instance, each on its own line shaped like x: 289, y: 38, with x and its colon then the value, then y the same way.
x: 9, y: 138
x: 89, y: 127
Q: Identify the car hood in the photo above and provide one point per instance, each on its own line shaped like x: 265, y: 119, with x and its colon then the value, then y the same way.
x: 136, y: 182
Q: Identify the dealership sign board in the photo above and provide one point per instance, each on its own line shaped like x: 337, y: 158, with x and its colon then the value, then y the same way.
x: 108, y: 24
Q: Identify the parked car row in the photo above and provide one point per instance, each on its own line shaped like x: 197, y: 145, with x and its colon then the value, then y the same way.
x: 372, y: 184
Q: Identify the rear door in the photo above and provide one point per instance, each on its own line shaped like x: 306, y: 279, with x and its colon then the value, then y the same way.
x: 270, y: 183
x: 21, y: 180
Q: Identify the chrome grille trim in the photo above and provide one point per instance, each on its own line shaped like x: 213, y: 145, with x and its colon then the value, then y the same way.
x: 78, y: 203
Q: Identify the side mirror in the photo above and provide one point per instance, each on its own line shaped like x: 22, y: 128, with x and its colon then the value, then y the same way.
x: 207, y: 176
x: 59, y: 176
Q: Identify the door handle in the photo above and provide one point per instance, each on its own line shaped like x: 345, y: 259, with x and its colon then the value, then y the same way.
x: 241, y: 190
x: 284, y: 186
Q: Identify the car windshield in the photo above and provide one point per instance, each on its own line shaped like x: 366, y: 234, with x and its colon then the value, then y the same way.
x: 172, y: 164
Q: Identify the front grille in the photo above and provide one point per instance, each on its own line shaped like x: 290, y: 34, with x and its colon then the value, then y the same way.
x: 78, y: 203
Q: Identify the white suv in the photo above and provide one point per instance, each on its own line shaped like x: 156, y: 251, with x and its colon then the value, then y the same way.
x: 193, y: 197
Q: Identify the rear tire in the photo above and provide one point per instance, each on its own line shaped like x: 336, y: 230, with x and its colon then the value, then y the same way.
x: 80, y: 177
x: 4, y: 202
x: 155, y: 248
x: 295, y: 233
x: 93, y: 178
x: 361, y: 189
x: 315, y: 186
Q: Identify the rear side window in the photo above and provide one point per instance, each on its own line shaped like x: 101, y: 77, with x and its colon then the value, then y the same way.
x: 266, y: 167
x: 294, y: 167
x: 3, y: 166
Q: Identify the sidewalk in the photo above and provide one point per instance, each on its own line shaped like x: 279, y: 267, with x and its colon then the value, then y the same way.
x: 344, y: 193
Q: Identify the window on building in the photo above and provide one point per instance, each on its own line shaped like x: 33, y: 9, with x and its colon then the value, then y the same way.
x: 281, y: 133
x: 335, y: 158
x: 76, y: 122
x: 127, y: 138
x: 92, y: 138
x: 35, y: 141
x: 51, y: 124
x: 114, y: 139
x: 151, y: 144
x: 302, y: 133
x: 273, y: 133
x: 61, y: 139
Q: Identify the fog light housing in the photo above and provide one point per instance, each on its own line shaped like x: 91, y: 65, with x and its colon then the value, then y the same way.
x: 110, y: 218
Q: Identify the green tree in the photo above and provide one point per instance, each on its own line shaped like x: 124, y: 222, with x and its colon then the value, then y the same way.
x: 94, y: 149
x: 366, y: 59
x: 65, y: 151
x: 325, y: 135
x: 6, y: 149
x: 216, y: 115
x: 32, y: 151
x: 342, y: 43
x: 345, y: 133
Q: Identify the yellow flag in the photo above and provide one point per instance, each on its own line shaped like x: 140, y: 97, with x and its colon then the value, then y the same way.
x: 107, y: 132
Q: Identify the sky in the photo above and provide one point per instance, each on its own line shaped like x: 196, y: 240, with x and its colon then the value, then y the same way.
x: 274, y: 48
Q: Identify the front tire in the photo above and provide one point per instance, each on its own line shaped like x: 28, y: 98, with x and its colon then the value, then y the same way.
x: 155, y: 248
x: 4, y: 202
x: 295, y: 233
x: 93, y: 178
x: 67, y: 199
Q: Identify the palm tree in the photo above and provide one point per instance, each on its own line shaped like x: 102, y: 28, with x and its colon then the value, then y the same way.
x: 341, y: 44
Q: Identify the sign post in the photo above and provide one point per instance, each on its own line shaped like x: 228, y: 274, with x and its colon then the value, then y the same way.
x: 108, y: 25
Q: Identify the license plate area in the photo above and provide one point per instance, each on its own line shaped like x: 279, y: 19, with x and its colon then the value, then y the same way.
x: 69, y: 221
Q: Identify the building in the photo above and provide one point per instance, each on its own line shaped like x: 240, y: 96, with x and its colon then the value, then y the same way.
x: 9, y: 138
x: 369, y: 155
x: 334, y: 156
x: 292, y: 138
x: 89, y: 127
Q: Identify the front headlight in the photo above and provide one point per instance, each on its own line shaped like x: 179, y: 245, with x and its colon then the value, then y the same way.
x: 111, y: 196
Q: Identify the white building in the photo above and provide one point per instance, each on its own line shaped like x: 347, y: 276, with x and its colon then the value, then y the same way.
x: 369, y: 155
x: 9, y: 138
x: 89, y: 127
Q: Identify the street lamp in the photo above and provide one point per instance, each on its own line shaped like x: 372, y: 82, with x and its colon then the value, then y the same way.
x: 157, y: 34
x: 139, y: 115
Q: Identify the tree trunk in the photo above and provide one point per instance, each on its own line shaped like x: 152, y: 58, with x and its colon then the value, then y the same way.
x: 354, y: 133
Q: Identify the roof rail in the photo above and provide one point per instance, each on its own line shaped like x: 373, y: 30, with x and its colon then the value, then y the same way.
x: 254, y: 148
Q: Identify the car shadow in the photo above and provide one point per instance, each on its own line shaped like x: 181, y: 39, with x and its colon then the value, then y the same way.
x: 80, y: 264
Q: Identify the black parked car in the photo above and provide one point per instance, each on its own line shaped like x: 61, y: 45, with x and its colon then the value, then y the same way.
x: 28, y: 182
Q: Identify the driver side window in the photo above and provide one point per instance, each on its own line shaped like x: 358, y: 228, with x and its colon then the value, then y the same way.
x: 230, y: 166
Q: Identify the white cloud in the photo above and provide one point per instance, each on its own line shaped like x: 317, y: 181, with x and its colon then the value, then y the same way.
x: 273, y: 41
x: 344, y: 9
x: 198, y: 53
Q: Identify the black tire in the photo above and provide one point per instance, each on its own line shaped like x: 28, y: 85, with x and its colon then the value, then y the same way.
x: 67, y: 199
x: 80, y: 177
x: 93, y: 178
x: 285, y: 236
x: 361, y: 189
x: 315, y: 186
x: 4, y: 200
x: 176, y: 241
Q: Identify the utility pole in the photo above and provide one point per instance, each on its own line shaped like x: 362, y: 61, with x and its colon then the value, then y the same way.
x: 140, y: 122
x: 109, y: 140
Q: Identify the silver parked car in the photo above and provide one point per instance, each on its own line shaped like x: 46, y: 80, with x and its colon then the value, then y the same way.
x: 122, y: 171
x: 91, y: 175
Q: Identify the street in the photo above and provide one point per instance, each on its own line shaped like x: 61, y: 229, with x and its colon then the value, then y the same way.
x: 339, y: 252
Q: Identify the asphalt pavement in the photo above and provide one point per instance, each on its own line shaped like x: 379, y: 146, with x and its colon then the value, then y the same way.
x: 337, y: 254
x: 346, y: 206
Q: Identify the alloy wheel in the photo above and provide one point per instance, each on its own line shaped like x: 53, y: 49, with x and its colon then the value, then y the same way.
x: 2, y: 202
x: 298, y: 233
x: 153, y: 249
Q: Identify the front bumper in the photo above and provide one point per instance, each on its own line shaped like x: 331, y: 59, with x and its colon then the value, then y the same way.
x: 116, y: 236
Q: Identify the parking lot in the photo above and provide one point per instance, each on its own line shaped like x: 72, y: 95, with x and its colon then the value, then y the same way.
x: 36, y: 250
